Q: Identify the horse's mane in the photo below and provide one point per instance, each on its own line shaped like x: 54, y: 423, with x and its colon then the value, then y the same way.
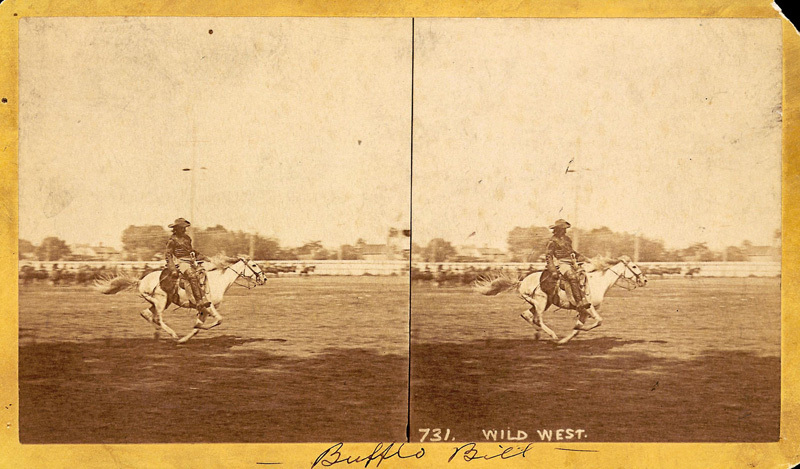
x: 220, y: 261
x: 603, y: 263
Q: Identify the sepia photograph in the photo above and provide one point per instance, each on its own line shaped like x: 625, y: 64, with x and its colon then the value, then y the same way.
x: 596, y: 214
x: 214, y: 221
x: 435, y: 238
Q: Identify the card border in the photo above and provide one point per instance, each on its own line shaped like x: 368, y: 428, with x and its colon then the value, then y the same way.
x: 701, y: 455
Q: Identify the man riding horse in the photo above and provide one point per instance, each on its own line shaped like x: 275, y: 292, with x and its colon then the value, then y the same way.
x: 559, y: 249
x: 182, y: 260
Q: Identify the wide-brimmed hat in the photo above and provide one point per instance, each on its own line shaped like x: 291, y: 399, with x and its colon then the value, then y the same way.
x: 560, y: 223
x: 180, y: 222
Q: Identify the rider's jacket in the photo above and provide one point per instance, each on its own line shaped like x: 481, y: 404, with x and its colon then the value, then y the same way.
x: 560, y: 247
x: 180, y: 246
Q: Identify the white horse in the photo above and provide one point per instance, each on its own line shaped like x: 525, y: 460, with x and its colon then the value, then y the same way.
x: 220, y: 275
x: 598, y: 281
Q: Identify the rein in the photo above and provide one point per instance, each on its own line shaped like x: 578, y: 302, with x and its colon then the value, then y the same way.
x: 249, y: 285
x: 631, y: 283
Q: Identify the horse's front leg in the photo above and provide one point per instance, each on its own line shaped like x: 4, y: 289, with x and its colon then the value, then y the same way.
x: 598, y: 321
x: 575, y: 331
x: 201, y: 318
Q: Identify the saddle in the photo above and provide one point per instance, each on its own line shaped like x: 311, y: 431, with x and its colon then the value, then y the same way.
x: 553, y: 283
x: 172, y: 285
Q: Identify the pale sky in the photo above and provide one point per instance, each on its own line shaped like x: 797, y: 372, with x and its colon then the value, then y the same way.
x: 673, y: 125
x: 303, y: 125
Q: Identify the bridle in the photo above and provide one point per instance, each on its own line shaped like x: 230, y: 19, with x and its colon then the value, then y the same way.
x: 250, y: 279
x: 631, y: 284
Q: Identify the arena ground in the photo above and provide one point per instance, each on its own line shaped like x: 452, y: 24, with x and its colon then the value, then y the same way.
x: 298, y: 359
x: 679, y: 360
x: 325, y: 358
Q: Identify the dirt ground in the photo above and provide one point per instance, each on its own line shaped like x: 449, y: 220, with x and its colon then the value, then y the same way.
x: 679, y: 360
x: 299, y: 359
x: 326, y: 358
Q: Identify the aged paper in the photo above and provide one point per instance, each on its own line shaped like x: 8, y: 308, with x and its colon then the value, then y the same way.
x: 360, y: 178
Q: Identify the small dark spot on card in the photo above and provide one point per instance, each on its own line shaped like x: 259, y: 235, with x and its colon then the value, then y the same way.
x: 210, y: 31
x: 359, y: 142
x: 4, y: 100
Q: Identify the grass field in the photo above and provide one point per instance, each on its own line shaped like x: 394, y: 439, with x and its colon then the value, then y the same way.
x: 679, y: 360
x: 299, y: 359
x: 326, y: 358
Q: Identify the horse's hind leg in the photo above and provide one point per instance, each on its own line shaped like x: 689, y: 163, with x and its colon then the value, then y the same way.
x: 538, y: 305
x: 528, y: 316
x: 159, y: 305
x: 148, y: 314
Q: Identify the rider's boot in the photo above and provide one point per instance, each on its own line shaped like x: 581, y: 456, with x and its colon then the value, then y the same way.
x: 577, y: 292
x: 199, y: 294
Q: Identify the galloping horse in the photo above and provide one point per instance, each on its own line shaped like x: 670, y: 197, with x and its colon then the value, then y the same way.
x: 598, y: 281
x: 219, y: 277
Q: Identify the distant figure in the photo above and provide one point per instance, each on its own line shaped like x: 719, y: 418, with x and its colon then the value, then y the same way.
x: 182, y: 259
x: 559, y: 248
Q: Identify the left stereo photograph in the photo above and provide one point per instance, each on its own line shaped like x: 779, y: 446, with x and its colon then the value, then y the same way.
x: 214, y: 229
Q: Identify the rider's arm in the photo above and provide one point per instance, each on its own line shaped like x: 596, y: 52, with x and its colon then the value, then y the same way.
x: 197, y: 254
x: 549, y: 258
x: 168, y: 257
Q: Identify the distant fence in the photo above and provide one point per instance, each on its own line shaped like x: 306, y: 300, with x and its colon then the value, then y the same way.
x: 324, y: 267
x: 665, y: 269
x: 362, y: 267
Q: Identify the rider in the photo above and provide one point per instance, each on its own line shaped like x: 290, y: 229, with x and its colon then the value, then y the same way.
x: 181, y: 257
x: 559, y: 248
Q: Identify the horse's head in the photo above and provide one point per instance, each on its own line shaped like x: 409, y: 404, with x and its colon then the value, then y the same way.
x: 632, y: 273
x: 252, y: 272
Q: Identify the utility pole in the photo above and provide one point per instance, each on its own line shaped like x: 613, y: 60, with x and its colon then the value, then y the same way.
x: 252, y: 246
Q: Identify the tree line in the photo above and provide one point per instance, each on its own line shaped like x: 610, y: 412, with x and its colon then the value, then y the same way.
x: 527, y: 244
x: 524, y: 244
x: 148, y: 242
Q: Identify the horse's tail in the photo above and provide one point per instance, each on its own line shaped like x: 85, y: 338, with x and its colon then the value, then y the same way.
x: 108, y: 285
x: 495, y: 283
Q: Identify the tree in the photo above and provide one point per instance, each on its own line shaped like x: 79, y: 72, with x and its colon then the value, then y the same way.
x: 266, y: 248
x: 700, y: 252
x: 438, y: 250
x: 143, y: 242
x: 651, y: 250
x: 735, y: 254
x: 528, y: 244
x: 25, y: 247
x: 52, y: 249
x: 309, y: 248
x: 321, y: 254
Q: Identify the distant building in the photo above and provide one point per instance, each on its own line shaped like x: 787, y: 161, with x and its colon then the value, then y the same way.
x: 374, y: 252
x: 485, y: 254
x: 762, y: 253
x: 85, y: 252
